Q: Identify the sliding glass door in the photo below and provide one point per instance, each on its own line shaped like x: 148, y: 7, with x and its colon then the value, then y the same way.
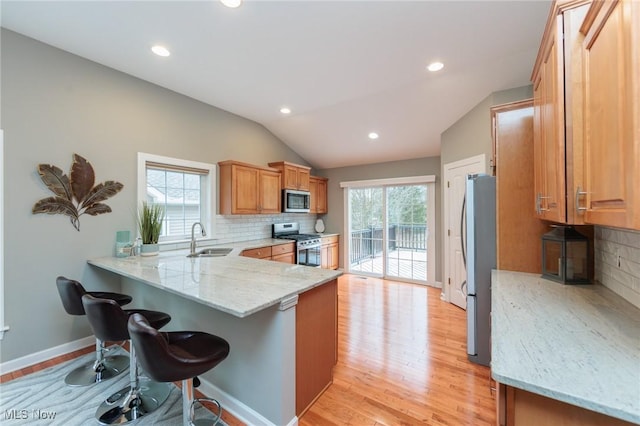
x: 389, y: 231
x: 407, y: 232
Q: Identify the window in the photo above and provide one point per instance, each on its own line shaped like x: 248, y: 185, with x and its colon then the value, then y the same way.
x: 186, y: 190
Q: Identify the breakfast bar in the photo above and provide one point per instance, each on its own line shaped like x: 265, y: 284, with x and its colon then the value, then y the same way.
x: 279, y: 319
x: 563, y: 354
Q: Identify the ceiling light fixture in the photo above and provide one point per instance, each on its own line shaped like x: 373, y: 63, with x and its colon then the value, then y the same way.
x: 285, y: 110
x: 435, y: 66
x: 231, y: 3
x: 373, y: 135
x: 160, y: 50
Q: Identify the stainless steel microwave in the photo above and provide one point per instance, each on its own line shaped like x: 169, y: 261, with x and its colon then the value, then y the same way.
x: 295, y: 201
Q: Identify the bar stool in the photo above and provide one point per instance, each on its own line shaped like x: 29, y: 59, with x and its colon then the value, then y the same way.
x: 178, y: 355
x: 104, y: 367
x: 109, y: 322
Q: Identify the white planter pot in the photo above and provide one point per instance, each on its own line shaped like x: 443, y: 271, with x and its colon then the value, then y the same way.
x: 149, y: 250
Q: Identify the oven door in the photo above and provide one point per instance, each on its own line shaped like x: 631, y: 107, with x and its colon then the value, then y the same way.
x: 309, y: 256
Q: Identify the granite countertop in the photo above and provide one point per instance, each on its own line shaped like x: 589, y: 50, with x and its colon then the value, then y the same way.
x: 234, y: 284
x: 575, y: 343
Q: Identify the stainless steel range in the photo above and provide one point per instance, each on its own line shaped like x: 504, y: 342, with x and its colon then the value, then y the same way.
x: 307, y: 245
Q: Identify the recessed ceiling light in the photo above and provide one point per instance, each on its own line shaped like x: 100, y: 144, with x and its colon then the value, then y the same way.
x: 231, y: 3
x: 435, y: 66
x: 160, y: 50
x: 373, y: 135
x: 285, y: 110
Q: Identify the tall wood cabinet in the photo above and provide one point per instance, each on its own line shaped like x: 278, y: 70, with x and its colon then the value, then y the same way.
x: 294, y: 176
x: 612, y: 114
x: 557, y: 84
x: 518, y: 232
x: 248, y: 189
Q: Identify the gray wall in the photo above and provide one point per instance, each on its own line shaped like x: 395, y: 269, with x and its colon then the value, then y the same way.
x: 55, y: 104
x: 471, y: 134
x: 334, y: 220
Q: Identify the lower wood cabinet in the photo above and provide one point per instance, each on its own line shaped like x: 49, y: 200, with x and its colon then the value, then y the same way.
x: 517, y: 407
x: 329, y: 252
x: 279, y: 253
x: 284, y: 253
x: 316, y: 342
x: 258, y: 253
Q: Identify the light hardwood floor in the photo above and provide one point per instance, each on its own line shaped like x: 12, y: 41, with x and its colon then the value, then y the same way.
x: 401, y: 361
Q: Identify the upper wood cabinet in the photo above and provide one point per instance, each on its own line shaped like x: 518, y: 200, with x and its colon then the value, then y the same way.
x: 294, y: 176
x: 558, y: 124
x: 248, y: 189
x: 318, y: 190
x: 612, y: 114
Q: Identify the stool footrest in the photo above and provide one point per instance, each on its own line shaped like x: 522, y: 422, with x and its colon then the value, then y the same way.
x: 204, y: 422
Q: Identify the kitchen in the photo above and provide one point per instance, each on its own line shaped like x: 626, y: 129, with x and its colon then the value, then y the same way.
x: 92, y: 92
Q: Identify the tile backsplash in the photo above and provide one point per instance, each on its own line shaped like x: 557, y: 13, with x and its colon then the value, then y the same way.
x: 617, y: 261
x: 231, y: 229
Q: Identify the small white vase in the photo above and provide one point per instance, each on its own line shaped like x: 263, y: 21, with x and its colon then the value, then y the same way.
x: 319, y: 226
x: 149, y: 250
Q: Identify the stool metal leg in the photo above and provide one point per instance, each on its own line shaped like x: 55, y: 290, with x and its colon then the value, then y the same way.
x: 134, y: 401
x: 103, y: 368
x: 188, y: 408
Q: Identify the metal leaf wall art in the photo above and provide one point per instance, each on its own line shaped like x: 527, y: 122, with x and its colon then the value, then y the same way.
x: 75, y: 195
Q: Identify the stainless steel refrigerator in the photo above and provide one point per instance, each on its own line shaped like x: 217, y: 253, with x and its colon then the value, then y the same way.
x: 480, y: 251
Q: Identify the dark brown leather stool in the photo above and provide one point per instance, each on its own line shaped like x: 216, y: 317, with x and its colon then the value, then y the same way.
x: 109, y: 322
x: 104, y: 367
x: 178, y: 355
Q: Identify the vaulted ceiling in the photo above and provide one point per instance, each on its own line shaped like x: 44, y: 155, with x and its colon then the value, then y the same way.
x: 344, y: 68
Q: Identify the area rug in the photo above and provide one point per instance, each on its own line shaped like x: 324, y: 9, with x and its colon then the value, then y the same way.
x: 42, y: 398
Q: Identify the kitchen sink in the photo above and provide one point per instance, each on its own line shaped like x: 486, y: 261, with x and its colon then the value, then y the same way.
x: 212, y: 252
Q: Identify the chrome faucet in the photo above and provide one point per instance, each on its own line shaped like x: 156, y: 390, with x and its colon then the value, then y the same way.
x: 193, y: 238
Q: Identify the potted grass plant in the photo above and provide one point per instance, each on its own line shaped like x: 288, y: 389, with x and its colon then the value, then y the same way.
x: 150, y: 218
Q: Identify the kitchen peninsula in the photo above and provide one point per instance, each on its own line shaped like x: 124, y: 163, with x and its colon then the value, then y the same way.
x: 279, y: 319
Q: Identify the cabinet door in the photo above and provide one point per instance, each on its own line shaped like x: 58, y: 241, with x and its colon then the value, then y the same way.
x: 324, y: 257
x: 322, y: 205
x: 290, y: 177
x: 313, y: 198
x: 612, y: 140
x: 553, y: 155
x: 303, y: 179
x: 245, y: 190
x: 269, y: 192
x: 285, y: 258
x: 333, y: 256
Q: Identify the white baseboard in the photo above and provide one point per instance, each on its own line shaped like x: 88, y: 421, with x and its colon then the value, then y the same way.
x: 240, y: 410
x: 45, y: 355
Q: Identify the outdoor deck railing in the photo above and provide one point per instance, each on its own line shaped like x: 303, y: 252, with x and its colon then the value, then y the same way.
x: 367, y: 243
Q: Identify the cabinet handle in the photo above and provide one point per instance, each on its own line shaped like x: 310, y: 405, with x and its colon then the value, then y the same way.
x: 539, y: 199
x: 579, y: 193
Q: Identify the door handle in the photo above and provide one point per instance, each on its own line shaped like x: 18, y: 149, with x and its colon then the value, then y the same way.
x: 578, y: 194
x: 463, y: 214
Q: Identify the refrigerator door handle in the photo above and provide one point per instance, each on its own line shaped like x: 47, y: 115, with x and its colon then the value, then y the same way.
x: 463, y: 237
